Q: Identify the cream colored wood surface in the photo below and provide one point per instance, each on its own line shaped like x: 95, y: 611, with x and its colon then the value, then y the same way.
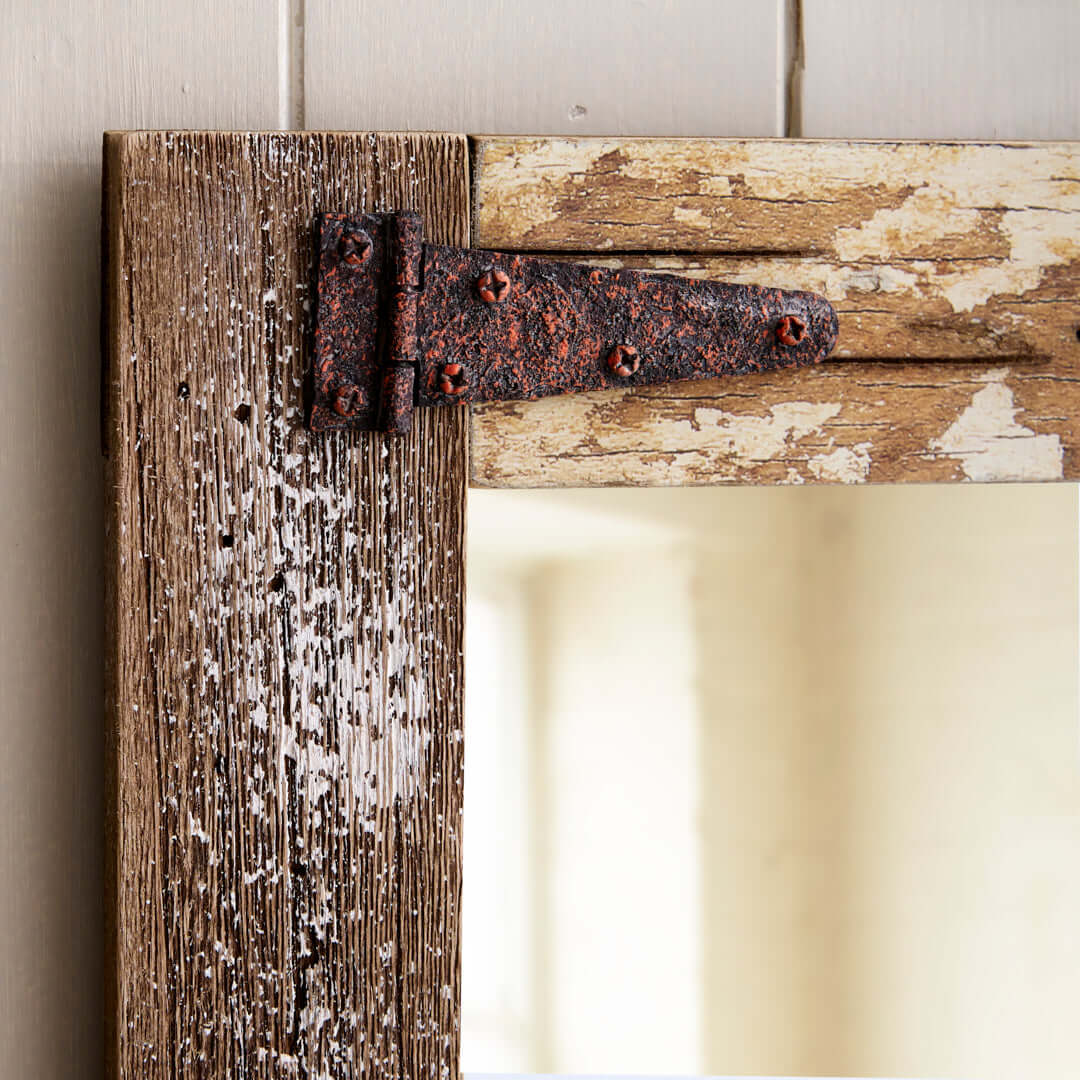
x: 961, y: 69
x: 674, y: 67
x: 932, y: 254
x: 70, y: 70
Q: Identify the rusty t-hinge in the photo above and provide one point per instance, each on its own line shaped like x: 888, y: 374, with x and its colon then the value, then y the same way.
x: 402, y: 323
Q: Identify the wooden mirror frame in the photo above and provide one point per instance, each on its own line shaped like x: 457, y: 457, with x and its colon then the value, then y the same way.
x: 284, y: 611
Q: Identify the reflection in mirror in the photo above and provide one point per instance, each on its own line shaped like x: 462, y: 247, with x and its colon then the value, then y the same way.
x: 773, y: 781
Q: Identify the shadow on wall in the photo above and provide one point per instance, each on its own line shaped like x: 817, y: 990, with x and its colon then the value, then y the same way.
x: 773, y: 781
x: 51, y: 637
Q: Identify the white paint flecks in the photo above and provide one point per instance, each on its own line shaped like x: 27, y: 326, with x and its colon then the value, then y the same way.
x: 989, y: 443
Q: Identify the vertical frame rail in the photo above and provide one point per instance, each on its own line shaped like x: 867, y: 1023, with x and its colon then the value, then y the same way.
x: 284, y: 616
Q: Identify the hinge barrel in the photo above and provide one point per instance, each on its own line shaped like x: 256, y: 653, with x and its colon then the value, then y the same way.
x: 398, y: 391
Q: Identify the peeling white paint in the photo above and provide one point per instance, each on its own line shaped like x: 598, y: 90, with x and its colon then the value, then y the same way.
x: 754, y: 439
x: 1038, y: 239
x: 929, y: 213
x: 989, y: 443
x: 691, y: 215
x: 1007, y: 213
x: 846, y: 280
x: 1021, y: 240
x: 844, y: 465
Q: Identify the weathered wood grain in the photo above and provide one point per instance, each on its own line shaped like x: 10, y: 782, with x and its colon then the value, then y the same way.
x: 284, y: 634
x: 966, y: 253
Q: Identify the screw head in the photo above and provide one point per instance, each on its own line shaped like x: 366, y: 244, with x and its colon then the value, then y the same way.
x: 493, y: 286
x: 347, y: 400
x: 452, y: 380
x: 354, y: 247
x: 624, y: 360
x: 790, y: 330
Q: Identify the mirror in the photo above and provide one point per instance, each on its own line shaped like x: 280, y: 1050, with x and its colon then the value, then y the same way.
x: 773, y: 781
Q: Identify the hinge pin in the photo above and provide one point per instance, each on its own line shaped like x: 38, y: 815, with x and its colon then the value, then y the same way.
x: 405, y: 236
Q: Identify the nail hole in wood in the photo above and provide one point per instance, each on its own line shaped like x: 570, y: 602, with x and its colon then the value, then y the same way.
x: 183, y: 391
x: 277, y: 582
x: 243, y: 413
x: 226, y: 540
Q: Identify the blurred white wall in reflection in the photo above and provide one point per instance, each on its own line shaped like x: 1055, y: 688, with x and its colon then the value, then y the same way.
x: 773, y: 781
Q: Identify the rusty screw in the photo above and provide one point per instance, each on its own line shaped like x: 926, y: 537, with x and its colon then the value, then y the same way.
x: 355, y: 247
x: 624, y: 360
x: 347, y: 400
x: 790, y: 330
x: 452, y: 380
x: 493, y: 286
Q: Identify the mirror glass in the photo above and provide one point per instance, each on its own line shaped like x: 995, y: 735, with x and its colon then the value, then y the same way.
x: 773, y: 782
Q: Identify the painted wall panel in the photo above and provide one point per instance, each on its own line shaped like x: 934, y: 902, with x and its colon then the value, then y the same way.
x: 70, y: 71
x: 676, y: 67
x: 968, y: 69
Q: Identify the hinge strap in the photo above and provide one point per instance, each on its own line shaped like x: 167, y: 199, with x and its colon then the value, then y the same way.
x: 400, y: 323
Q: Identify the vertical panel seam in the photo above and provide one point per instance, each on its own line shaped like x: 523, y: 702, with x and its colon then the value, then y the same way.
x: 291, y: 16
x: 790, y: 63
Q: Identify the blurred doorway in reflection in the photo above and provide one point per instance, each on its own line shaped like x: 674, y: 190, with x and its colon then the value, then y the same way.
x: 775, y: 782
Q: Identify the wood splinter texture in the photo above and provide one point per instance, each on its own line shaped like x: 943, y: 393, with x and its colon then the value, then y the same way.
x: 957, y: 264
x: 284, y: 634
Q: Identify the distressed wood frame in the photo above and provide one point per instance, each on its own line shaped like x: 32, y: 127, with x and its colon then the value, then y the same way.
x: 283, y: 613
x: 955, y: 269
x: 283, y: 620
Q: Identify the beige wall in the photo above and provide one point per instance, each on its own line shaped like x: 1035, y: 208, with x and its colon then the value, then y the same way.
x: 894, y: 827
x: 804, y: 782
x: 70, y: 70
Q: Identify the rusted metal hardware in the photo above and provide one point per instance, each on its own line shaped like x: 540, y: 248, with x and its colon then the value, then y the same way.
x: 401, y: 323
